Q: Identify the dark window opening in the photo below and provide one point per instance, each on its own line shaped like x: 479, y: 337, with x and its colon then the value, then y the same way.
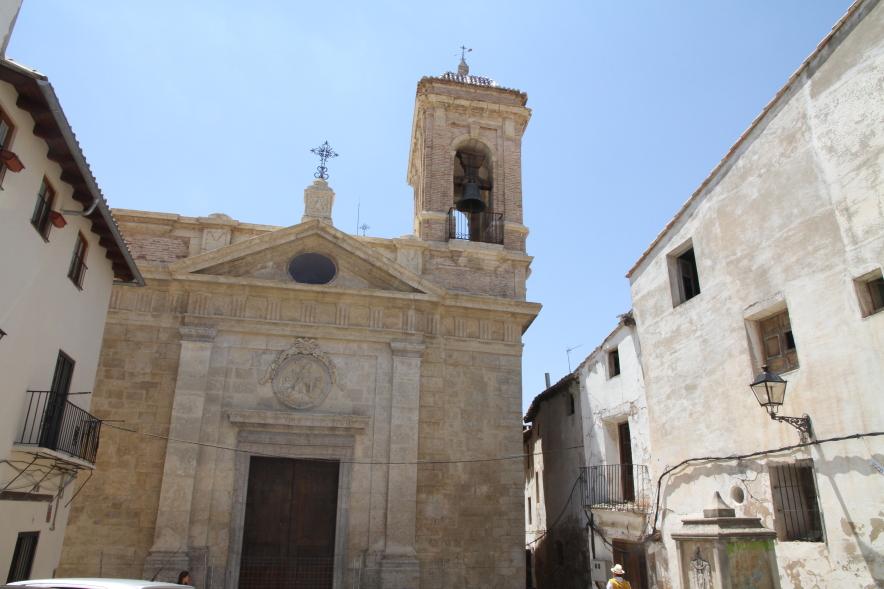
x: 529, y: 511
x: 6, y: 131
x: 23, y: 557
x: 77, y: 270
x: 876, y: 293
x: 687, y: 274
x: 570, y: 404
x: 796, y: 509
x: 627, y: 479
x: 312, y: 268
x: 613, y: 363
x: 40, y: 219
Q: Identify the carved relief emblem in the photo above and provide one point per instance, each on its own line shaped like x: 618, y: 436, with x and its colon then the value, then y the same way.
x: 301, y: 376
x: 700, y: 572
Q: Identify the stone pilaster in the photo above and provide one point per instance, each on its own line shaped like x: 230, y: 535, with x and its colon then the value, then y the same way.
x: 170, y: 551
x: 399, y: 566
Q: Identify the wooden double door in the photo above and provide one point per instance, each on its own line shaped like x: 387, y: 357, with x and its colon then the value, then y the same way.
x: 289, y: 527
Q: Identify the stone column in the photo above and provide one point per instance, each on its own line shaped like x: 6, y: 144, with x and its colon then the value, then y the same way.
x: 170, y: 551
x: 399, y: 566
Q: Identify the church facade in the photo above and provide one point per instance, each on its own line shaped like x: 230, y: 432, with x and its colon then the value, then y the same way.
x: 298, y: 406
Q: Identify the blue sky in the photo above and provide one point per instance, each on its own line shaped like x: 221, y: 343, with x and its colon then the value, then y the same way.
x: 212, y: 106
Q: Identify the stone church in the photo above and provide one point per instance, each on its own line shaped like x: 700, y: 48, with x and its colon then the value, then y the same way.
x: 301, y: 407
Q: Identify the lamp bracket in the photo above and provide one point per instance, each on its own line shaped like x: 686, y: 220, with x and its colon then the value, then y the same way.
x: 802, y: 424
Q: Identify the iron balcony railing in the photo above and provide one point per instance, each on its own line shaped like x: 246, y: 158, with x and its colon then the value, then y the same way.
x: 486, y: 226
x: 619, y: 487
x: 54, y: 423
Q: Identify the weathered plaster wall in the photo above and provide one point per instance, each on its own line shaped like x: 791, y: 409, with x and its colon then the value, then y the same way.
x: 557, y: 535
x: 791, y: 222
x: 42, y: 312
x: 609, y: 400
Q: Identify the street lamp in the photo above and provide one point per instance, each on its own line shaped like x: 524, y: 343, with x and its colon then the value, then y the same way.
x: 770, y: 391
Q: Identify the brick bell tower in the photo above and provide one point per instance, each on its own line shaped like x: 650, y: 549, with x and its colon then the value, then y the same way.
x: 465, y: 163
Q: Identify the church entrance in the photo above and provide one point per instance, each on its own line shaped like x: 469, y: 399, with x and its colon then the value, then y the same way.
x: 289, y: 528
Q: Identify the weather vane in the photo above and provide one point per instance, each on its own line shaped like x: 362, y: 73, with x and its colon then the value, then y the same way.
x: 325, y: 153
x: 463, y: 51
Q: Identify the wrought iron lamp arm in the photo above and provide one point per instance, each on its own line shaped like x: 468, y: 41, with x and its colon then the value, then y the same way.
x: 802, y: 424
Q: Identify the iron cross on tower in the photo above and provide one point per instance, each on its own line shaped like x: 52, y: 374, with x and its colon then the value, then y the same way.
x: 325, y: 153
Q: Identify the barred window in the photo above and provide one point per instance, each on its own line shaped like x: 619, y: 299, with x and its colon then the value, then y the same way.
x: 796, y: 508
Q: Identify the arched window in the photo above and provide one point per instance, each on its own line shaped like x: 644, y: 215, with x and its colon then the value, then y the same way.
x: 473, y: 217
x: 473, y: 178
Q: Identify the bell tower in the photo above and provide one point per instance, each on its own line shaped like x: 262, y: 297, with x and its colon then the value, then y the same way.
x: 465, y: 164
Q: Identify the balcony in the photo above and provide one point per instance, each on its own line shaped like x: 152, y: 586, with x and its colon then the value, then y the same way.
x: 617, y: 487
x: 486, y: 227
x: 54, y: 423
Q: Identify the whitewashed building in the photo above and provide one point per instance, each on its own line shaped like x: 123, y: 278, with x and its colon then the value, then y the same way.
x: 771, y: 272
x: 617, y: 493
x: 557, y: 552
x: 61, y: 252
x: 776, y: 261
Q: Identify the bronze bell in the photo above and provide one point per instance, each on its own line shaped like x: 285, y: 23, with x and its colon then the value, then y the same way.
x: 471, y: 200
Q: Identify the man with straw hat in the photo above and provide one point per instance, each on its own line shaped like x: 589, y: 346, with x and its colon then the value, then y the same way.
x: 618, y: 582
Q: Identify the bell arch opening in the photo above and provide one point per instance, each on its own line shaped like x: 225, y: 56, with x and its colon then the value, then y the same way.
x: 472, y: 217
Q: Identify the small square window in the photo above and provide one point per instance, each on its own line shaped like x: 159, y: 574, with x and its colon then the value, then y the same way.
x: 41, y: 218
x: 870, y: 289
x: 614, y: 363
x: 683, y: 275
x: 779, y: 353
x: 796, y: 508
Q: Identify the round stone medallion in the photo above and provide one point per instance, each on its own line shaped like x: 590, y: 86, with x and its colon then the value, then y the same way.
x: 302, y: 382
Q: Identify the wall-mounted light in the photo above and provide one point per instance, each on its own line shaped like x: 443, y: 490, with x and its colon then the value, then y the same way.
x: 770, y: 391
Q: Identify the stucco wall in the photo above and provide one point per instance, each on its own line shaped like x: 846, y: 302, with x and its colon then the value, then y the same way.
x: 42, y: 312
x: 791, y: 222
x: 555, y: 441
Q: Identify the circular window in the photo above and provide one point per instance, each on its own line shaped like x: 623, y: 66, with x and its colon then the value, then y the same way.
x: 737, y: 494
x: 311, y: 268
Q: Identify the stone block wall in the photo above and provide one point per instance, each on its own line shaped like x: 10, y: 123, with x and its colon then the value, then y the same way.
x: 111, y: 525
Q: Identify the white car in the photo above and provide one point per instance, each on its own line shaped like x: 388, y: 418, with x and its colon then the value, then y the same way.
x: 95, y: 584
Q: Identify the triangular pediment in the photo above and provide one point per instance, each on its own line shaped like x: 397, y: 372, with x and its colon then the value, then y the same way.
x: 266, y: 258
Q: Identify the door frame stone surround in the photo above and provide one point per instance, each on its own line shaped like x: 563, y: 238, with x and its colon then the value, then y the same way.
x: 293, y: 436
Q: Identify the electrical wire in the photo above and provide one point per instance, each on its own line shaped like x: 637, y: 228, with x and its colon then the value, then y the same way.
x: 744, y: 456
x: 341, y: 461
x: 561, y: 513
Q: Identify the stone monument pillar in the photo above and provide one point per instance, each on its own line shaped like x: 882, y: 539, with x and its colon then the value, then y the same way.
x: 319, y: 199
x: 170, y: 552
x: 722, y: 551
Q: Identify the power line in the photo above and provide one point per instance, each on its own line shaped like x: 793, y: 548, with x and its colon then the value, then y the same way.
x: 341, y: 461
x: 744, y: 456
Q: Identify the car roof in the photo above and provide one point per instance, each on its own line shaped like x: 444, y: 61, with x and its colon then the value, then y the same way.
x: 96, y: 583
